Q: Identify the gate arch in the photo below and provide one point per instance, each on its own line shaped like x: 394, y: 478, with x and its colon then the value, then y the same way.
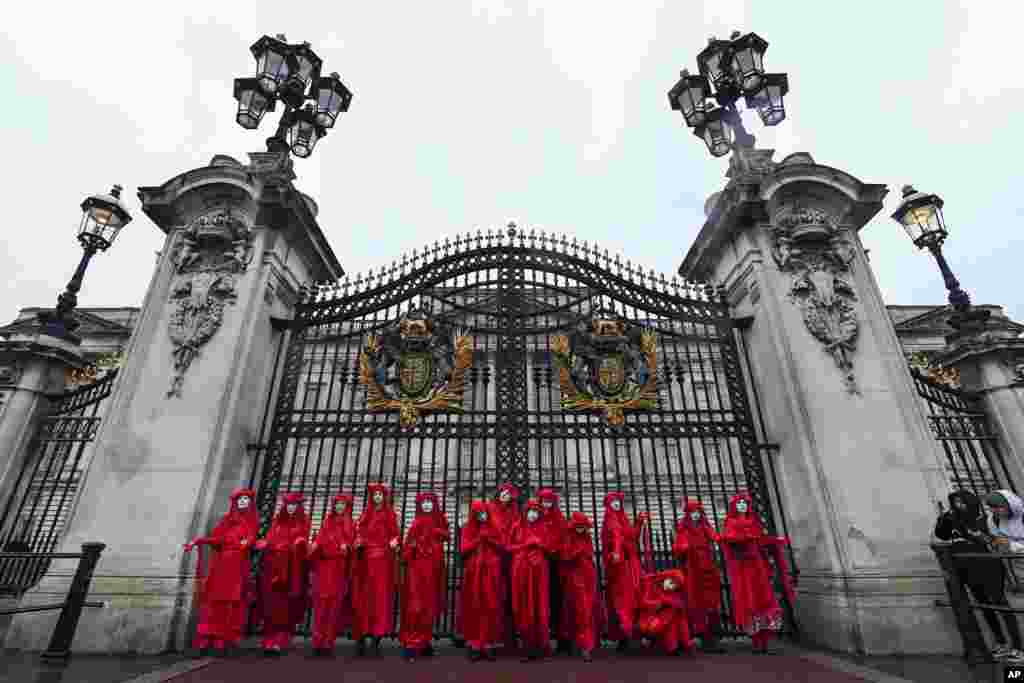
x: 511, y: 293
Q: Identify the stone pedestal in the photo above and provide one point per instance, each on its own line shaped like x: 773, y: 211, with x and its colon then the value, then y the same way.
x: 32, y: 367
x: 990, y: 359
x: 240, y: 241
x: 859, y: 472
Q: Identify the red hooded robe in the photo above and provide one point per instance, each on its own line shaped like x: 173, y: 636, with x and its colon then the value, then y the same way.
x: 585, y: 616
x: 755, y: 607
x: 222, y: 595
x: 283, y: 578
x: 374, y: 574
x: 481, y: 609
x: 556, y: 528
x: 332, y: 573
x: 505, y: 516
x: 663, y: 615
x: 620, y: 538
x: 694, y: 550
x: 423, y: 588
x: 531, y: 579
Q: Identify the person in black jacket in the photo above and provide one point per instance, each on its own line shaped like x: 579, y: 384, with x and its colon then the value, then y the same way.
x: 964, y: 525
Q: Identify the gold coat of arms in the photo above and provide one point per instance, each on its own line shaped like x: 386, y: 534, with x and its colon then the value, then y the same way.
x: 417, y: 366
x: 607, y: 365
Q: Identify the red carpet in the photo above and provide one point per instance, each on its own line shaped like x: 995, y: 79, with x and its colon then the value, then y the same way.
x: 452, y: 666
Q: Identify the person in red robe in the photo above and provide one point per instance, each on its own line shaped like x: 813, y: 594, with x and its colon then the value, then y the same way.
x: 423, y: 588
x: 756, y: 610
x: 330, y: 556
x: 283, y: 576
x: 481, y: 615
x: 222, y: 593
x: 620, y: 549
x: 663, y: 616
x: 378, y: 539
x: 531, y: 579
x: 504, y: 509
x: 556, y: 528
x: 584, y: 617
x: 694, y: 550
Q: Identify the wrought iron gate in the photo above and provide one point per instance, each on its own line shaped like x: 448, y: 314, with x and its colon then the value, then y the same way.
x: 973, y: 458
x: 511, y: 294
x: 44, y: 493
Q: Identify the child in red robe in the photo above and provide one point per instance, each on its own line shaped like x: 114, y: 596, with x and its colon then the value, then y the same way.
x: 423, y: 588
x: 531, y: 578
x: 663, y: 615
x: 504, y: 509
x: 755, y: 609
x: 378, y: 536
x: 694, y: 550
x: 583, y: 617
x: 481, y: 614
x: 222, y: 598
x: 330, y: 555
x: 620, y: 547
x: 284, y: 577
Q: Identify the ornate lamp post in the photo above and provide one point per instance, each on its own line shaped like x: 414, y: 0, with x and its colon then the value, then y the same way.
x: 103, y: 216
x: 921, y: 216
x: 290, y: 74
x: 729, y: 69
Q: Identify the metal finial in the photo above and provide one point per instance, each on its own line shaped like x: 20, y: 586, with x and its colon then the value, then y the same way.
x: 907, y: 190
x: 735, y: 35
x: 280, y: 36
x: 115, y: 191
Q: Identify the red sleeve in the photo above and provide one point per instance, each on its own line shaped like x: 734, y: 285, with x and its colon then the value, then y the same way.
x: 681, y: 543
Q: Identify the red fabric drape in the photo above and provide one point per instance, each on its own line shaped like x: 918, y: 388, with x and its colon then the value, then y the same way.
x: 222, y: 582
x: 375, y: 570
x: 619, y: 539
x: 423, y: 587
x: 284, y: 578
x: 332, y: 574
x: 530, y: 580
x: 663, y: 614
x: 755, y: 607
x: 506, y: 515
x: 481, y: 615
x: 694, y: 551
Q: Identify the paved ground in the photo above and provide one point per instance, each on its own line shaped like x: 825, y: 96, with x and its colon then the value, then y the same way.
x: 792, y: 665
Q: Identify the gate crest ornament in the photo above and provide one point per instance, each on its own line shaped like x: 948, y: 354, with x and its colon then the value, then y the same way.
x: 213, y: 250
x: 608, y: 366
x: 808, y: 244
x: 429, y: 363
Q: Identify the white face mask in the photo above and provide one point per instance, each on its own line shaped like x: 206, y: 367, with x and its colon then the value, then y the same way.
x: 547, y: 503
x: 616, y: 504
x: 695, y: 516
x: 504, y: 496
x: 532, y: 516
x: 741, y: 507
x: 290, y: 508
x: 339, y: 507
x: 581, y: 530
x: 669, y: 585
x: 482, y: 516
x: 378, y: 497
x: 427, y: 506
x: 243, y: 502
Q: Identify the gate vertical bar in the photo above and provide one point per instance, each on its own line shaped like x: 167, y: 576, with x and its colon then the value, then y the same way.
x: 512, y: 456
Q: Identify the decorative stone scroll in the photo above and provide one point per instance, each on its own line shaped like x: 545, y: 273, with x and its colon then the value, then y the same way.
x: 417, y: 366
x: 213, y: 250
x: 607, y: 365
x: 808, y: 244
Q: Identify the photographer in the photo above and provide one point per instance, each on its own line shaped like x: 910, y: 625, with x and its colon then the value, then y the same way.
x: 964, y: 525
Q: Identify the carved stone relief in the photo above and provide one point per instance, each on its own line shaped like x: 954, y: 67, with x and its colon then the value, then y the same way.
x: 808, y: 244
x: 212, y: 251
x: 10, y: 374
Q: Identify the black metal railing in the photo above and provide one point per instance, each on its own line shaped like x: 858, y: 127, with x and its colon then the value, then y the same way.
x: 71, y: 608
x: 964, y: 607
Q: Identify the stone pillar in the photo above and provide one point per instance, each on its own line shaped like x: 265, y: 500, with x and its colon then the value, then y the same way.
x: 858, y: 470
x: 240, y: 242
x: 989, y: 357
x: 32, y: 366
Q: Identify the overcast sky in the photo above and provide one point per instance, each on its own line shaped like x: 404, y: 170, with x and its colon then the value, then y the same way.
x: 467, y: 114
